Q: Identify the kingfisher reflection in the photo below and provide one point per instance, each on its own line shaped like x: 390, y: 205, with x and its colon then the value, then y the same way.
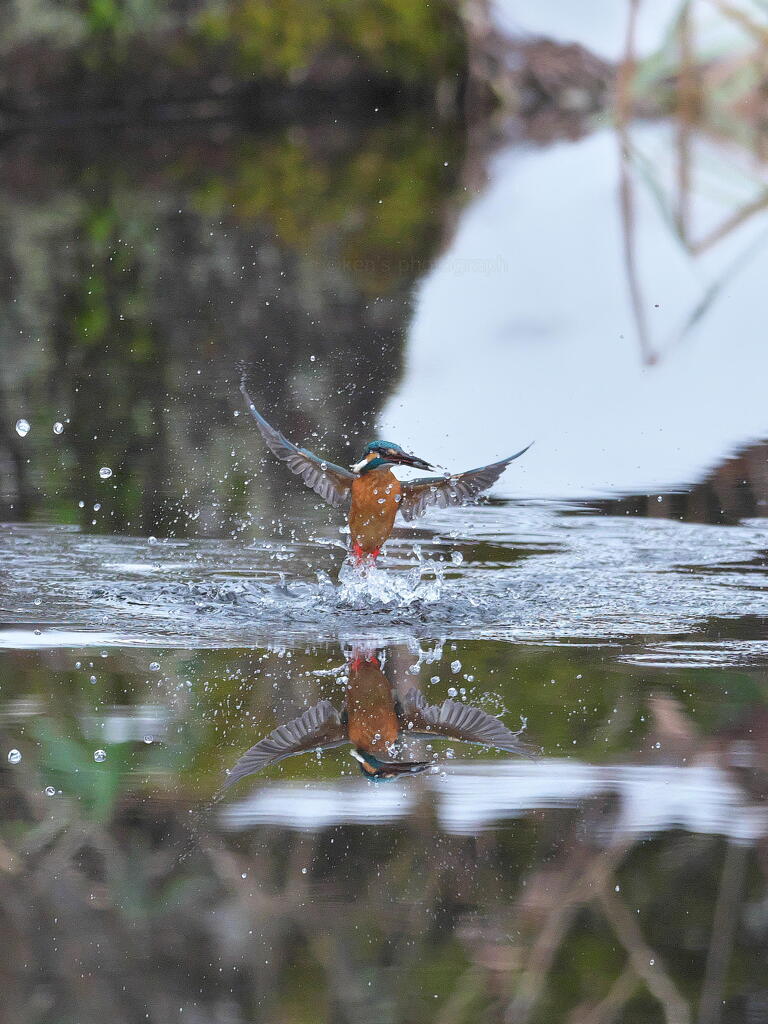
x: 377, y: 721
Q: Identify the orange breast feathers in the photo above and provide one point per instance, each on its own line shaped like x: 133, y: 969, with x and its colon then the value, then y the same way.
x: 375, y: 501
x: 372, y: 722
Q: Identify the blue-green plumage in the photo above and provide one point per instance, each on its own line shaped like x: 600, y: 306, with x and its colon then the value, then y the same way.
x: 383, y: 446
x: 376, y: 463
x: 387, y: 454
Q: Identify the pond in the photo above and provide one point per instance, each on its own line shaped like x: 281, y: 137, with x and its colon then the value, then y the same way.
x: 171, y: 595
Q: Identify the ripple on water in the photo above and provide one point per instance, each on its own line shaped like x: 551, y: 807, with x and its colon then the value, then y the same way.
x: 704, y: 654
x: 548, y: 577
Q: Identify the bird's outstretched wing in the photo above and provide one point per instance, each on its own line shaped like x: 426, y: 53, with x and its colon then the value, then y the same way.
x: 457, y: 721
x: 419, y: 495
x: 331, y: 482
x: 319, y: 726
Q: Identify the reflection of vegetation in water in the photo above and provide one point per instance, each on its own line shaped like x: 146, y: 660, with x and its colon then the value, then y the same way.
x: 219, y: 703
x: 375, y: 211
x: 116, y: 419
x: 159, y: 287
x: 709, y: 73
x: 410, y: 41
x: 337, y: 41
x: 710, y: 67
x: 552, y: 912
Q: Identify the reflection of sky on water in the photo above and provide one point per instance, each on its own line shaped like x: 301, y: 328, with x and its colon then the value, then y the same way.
x: 524, y: 330
x: 651, y: 798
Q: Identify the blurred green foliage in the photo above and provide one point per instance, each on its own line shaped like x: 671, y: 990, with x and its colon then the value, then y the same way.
x: 374, y: 212
x: 411, y: 41
x: 334, y: 41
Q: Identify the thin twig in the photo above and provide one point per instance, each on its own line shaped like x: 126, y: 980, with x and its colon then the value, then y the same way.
x: 723, y: 930
x: 645, y: 962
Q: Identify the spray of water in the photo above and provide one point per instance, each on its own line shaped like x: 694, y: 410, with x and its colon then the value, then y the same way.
x: 368, y: 586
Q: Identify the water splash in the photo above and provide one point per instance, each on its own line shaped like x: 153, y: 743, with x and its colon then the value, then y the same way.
x: 362, y: 587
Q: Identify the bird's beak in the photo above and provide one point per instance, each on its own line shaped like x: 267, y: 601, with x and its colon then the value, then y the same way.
x: 405, y: 459
x: 392, y: 768
x: 382, y: 770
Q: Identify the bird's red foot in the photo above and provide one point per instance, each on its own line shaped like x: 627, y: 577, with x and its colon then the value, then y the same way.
x: 362, y: 558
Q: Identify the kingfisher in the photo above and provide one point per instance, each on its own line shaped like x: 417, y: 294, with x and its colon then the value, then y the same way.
x: 373, y: 719
x: 370, y: 491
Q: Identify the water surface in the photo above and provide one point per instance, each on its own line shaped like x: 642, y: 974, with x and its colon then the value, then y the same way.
x: 158, y: 621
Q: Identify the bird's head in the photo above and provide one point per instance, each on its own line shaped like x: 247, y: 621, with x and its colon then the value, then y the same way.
x: 383, y: 771
x: 382, y: 453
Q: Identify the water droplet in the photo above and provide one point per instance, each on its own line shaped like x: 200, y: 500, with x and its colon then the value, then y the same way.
x: 14, y: 756
x: 93, y: 680
x: 99, y: 755
x: 105, y: 472
x: 151, y: 540
x: 456, y: 557
x: 148, y: 738
x: 323, y: 466
x: 456, y: 666
x: 38, y: 601
x: 303, y: 871
x: 22, y: 427
x: 154, y: 666
x: 78, y: 664
x: 58, y: 428
x: 50, y: 791
x: 452, y: 691
x: 651, y: 962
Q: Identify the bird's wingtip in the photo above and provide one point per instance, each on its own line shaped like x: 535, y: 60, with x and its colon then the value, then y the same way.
x: 521, y: 452
x: 248, y: 400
